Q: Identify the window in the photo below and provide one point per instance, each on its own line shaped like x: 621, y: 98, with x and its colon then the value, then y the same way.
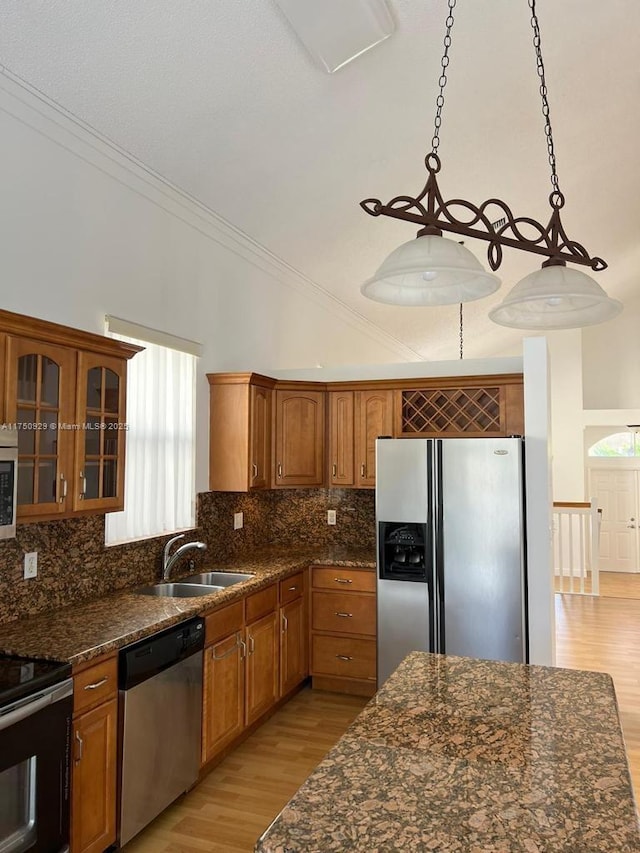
x: 620, y: 444
x: 160, y: 449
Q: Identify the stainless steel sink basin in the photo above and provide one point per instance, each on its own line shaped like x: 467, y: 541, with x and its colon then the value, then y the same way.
x: 218, y: 578
x: 179, y: 590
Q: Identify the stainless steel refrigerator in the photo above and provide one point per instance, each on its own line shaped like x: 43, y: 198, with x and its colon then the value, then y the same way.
x: 451, y: 549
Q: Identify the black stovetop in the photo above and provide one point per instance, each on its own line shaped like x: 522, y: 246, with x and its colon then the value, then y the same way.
x: 20, y: 677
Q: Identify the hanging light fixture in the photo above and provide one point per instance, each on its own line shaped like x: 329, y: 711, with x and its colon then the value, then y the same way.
x: 434, y: 270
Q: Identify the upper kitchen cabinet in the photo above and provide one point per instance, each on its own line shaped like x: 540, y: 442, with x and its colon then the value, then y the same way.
x: 64, y: 389
x: 101, y: 406
x: 374, y: 417
x: 240, y: 431
x: 356, y: 419
x: 299, y: 436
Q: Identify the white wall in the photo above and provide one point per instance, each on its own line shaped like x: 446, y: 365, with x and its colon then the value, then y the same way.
x: 86, y: 231
x: 565, y: 363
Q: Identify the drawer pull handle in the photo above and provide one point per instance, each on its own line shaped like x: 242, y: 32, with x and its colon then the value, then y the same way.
x: 228, y: 653
x: 293, y: 588
x: 344, y: 657
x: 344, y: 615
x: 97, y: 683
x: 343, y: 580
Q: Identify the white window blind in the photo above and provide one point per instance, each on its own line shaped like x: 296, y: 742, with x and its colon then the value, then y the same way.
x: 160, y: 443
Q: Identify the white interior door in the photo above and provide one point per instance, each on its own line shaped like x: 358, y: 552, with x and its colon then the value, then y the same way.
x: 617, y: 494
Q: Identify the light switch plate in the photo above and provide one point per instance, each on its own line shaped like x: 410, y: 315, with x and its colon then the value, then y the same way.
x: 238, y: 520
x: 331, y: 516
x: 31, y: 564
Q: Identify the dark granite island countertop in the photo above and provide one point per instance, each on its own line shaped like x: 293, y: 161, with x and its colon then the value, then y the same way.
x: 471, y: 756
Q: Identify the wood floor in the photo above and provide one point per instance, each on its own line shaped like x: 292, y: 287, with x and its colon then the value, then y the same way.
x: 232, y: 806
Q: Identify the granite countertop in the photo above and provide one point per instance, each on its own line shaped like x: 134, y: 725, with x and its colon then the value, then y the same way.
x: 88, y: 630
x: 471, y: 756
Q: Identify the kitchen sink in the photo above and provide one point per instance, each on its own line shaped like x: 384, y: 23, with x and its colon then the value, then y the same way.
x: 219, y: 579
x: 180, y: 590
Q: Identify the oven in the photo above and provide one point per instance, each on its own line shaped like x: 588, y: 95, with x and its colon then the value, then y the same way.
x: 8, y: 483
x: 36, y: 705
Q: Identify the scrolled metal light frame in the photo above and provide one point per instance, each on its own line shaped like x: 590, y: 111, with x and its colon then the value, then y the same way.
x: 435, y: 215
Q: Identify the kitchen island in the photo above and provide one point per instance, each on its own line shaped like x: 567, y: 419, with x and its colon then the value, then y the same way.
x: 471, y: 756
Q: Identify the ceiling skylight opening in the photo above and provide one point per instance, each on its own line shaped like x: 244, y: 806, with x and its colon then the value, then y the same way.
x: 335, y: 32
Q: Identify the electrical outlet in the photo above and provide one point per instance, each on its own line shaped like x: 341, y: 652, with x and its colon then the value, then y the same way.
x: 31, y: 564
x: 238, y: 520
x: 331, y: 516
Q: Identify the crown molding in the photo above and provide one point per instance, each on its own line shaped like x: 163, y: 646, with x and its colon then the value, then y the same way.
x: 36, y: 110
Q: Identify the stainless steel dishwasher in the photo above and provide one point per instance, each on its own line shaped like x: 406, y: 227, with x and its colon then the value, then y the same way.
x: 160, y: 681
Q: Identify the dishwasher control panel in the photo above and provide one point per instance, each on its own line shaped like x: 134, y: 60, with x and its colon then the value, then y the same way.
x: 146, y: 658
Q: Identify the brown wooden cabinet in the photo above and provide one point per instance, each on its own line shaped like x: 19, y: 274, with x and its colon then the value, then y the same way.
x: 93, y: 779
x: 240, y: 431
x: 64, y: 389
x: 374, y: 417
x: 341, y: 438
x: 224, y: 679
x: 343, y: 629
x: 242, y: 672
x: 294, y: 633
x: 299, y: 437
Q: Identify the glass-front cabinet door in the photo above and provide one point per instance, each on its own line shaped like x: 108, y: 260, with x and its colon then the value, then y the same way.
x: 39, y: 392
x: 101, y: 440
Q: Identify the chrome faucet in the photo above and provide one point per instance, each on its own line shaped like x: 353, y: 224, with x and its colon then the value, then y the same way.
x: 168, y: 561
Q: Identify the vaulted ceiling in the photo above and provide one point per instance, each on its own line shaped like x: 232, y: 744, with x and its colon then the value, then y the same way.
x: 220, y: 98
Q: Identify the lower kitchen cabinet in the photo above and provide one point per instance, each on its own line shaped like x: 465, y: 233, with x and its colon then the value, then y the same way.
x: 262, y: 666
x: 256, y: 652
x: 223, y: 694
x: 93, y: 779
x: 294, y: 633
x: 343, y: 629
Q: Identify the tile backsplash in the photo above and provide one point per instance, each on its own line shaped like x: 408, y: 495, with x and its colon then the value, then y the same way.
x: 74, y: 564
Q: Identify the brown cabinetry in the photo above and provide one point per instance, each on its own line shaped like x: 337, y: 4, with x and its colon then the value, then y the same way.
x: 299, y: 437
x: 93, y: 780
x: 65, y: 391
x: 294, y: 656
x: 343, y: 629
x: 374, y: 417
x: 341, y: 438
x: 243, y: 678
x: 240, y: 431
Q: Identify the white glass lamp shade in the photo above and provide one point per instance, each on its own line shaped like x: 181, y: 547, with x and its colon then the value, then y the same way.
x: 555, y: 297
x: 430, y: 270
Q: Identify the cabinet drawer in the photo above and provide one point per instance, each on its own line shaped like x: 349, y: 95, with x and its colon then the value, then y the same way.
x: 223, y: 622
x: 344, y: 656
x: 339, y: 577
x: 261, y: 603
x: 95, y: 684
x: 291, y: 588
x: 344, y: 613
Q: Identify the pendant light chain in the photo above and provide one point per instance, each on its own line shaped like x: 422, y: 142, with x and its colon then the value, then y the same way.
x: 461, y: 335
x: 557, y: 197
x: 442, y: 82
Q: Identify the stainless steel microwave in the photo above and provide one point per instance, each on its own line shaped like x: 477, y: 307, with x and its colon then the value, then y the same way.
x: 8, y: 480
